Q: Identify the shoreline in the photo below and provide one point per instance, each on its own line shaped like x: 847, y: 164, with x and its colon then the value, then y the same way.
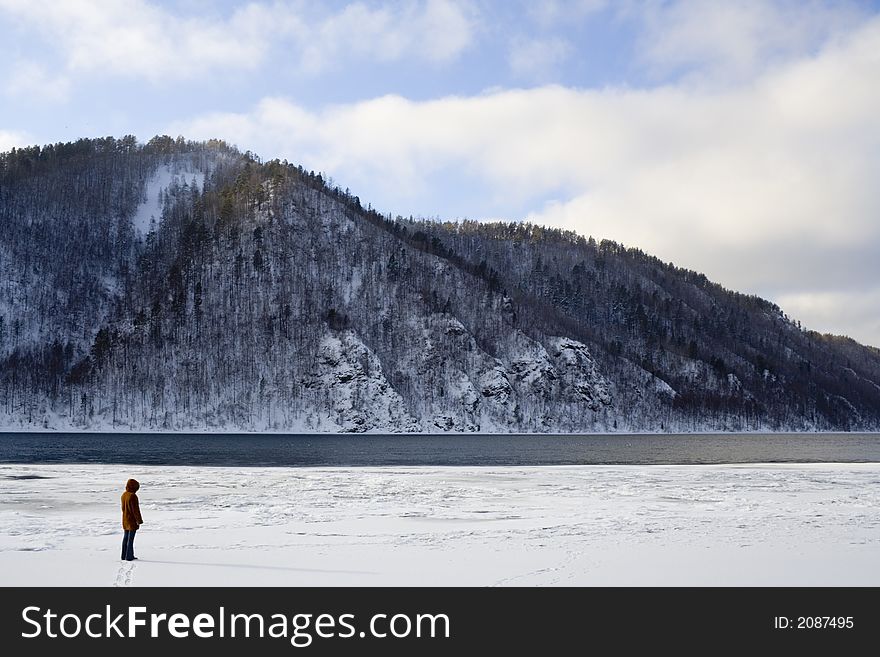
x: 230, y: 432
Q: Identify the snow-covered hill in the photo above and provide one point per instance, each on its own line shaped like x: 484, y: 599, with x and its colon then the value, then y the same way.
x: 185, y: 286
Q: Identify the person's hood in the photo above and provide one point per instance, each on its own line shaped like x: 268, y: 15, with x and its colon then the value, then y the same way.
x: 132, y: 485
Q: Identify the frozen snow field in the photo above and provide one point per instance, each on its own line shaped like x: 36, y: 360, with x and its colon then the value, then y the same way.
x: 581, y: 525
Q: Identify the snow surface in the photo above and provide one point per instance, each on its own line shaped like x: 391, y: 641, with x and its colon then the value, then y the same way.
x: 164, y: 177
x: 816, y: 524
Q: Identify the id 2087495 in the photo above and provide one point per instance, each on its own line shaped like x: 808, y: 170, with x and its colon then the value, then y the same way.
x: 813, y: 622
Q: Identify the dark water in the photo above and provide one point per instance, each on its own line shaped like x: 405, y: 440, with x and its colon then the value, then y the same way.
x: 379, y: 449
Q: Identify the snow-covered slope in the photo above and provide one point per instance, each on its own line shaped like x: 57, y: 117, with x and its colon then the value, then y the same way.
x: 178, y: 172
x: 186, y: 286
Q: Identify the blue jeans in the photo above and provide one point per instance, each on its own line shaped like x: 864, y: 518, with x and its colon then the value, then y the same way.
x: 128, y: 545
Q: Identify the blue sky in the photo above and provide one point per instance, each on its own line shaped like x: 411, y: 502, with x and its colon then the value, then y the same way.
x: 741, y: 139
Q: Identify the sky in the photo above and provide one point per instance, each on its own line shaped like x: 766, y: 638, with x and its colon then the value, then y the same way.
x: 740, y: 139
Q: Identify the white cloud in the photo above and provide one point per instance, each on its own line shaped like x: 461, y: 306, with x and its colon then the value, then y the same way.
x: 722, y: 41
x: 141, y: 39
x: 134, y: 38
x: 30, y: 81
x: 538, y: 58
x: 444, y: 29
x: 828, y: 311
x: 10, y: 139
x: 550, y: 13
x: 765, y: 186
x: 434, y: 31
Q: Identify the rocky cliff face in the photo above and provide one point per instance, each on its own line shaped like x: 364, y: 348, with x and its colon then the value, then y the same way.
x: 358, y: 396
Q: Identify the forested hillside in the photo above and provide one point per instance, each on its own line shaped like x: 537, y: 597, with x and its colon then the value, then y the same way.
x: 184, y: 285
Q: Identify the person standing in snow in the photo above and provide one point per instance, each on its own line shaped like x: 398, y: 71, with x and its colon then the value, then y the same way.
x: 131, y: 518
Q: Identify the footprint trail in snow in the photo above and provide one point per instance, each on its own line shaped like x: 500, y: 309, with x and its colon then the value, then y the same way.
x: 124, y: 575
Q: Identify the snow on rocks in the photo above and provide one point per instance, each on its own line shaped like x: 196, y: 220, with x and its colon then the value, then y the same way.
x: 495, y: 385
x: 531, y: 365
x: 579, y: 372
x: 662, y: 388
x: 462, y: 388
x: 361, y: 397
